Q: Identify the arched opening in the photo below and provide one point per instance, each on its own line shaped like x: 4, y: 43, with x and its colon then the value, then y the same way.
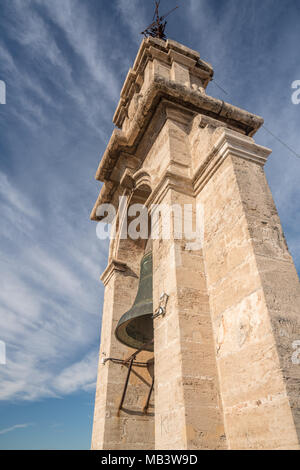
x: 134, y: 329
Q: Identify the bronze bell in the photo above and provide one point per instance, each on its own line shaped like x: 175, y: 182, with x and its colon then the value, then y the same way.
x: 135, y: 327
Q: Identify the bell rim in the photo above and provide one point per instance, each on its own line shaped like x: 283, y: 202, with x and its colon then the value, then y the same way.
x: 150, y: 348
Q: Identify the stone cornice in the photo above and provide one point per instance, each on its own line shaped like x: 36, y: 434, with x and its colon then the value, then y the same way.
x: 230, y: 143
x: 113, y: 267
x: 193, y: 100
x: 166, y: 52
x: 150, y: 98
x: 170, y: 180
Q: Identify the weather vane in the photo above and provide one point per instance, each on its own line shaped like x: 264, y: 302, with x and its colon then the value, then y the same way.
x: 157, y: 28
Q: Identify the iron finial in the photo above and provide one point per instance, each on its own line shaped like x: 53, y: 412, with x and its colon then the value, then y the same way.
x: 157, y: 28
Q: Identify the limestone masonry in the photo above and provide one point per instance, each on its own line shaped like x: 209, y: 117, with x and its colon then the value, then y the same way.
x: 224, y: 375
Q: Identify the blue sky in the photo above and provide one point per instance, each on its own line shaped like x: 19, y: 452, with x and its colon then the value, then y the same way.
x: 64, y: 62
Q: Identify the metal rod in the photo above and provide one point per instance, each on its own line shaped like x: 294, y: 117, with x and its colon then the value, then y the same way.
x: 142, y: 348
x: 121, y: 362
x: 145, y: 409
x: 125, y: 387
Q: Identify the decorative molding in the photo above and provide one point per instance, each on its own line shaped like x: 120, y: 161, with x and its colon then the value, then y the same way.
x: 142, y: 178
x: 193, y: 101
x: 113, y: 267
x: 168, y: 181
x: 166, y: 52
x: 230, y: 143
x: 127, y: 180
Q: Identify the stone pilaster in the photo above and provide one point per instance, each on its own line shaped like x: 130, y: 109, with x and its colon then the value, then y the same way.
x: 188, y: 409
x: 254, y: 296
x: 131, y: 428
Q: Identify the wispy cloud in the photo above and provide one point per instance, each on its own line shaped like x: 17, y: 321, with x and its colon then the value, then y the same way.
x: 80, y: 375
x: 50, y: 259
x: 134, y: 17
x: 17, y: 201
x: 64, y: 62
x: 15, y: 427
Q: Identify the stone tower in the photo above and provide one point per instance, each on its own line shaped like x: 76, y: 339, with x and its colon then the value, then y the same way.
x: 224, y: 374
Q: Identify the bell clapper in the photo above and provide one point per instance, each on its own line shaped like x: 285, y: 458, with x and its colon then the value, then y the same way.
x: 135, y: 327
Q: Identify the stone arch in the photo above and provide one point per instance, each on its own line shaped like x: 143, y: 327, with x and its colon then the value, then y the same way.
x: 123, y: 246
x: 2, y: 92
x: 142, y: 181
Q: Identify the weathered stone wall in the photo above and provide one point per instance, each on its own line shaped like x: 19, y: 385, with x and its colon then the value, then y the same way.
x: 277, y: 272
x: 131, y: 428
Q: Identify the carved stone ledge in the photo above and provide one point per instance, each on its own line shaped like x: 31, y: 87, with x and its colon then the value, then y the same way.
x: 241, y: 120
x: 164, y: 52
x: 127, y: 180
x: 113, y: 267
x: 230, y: 143
x: 170, y: 180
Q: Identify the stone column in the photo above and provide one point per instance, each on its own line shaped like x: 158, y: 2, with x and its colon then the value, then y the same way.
x: 254, y: 296
x: 188, y: 407
x: 131, y: 428
x: 188, y: 412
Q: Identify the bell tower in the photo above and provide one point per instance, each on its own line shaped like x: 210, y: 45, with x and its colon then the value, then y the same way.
x: 197, y: 331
